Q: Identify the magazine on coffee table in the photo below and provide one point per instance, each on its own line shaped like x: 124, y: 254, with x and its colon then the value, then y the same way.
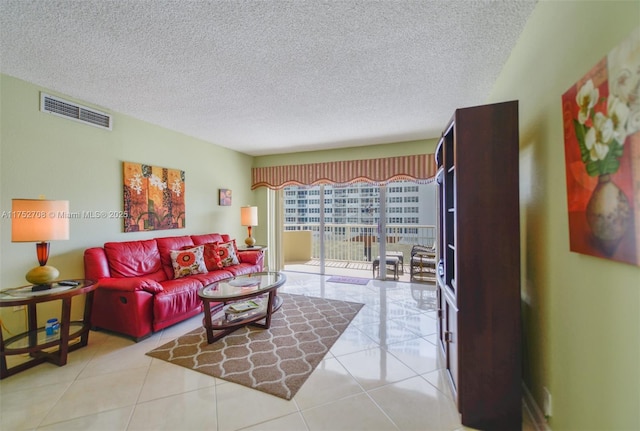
x: 241, y: 307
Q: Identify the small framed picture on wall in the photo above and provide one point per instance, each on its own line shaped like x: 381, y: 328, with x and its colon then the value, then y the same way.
x: 225, y: 197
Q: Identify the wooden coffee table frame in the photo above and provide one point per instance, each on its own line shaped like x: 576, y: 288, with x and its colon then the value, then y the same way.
x: 215, y: 319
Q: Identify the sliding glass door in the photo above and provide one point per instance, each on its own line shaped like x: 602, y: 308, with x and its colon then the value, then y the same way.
x: 330, y: 229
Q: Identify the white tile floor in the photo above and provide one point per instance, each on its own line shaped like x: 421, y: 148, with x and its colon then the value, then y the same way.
x: 382, y: 374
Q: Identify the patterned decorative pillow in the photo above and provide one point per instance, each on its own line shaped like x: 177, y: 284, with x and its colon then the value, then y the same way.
x: 211, y: 257
x: 227, y: 253
x: 188, y: 262
x: 235, y: 248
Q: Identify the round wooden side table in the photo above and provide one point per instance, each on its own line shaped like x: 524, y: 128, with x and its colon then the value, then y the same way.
x: 35, y: 340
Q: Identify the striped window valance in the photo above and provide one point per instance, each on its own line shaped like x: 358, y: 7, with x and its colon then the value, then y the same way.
x: 421, y: 168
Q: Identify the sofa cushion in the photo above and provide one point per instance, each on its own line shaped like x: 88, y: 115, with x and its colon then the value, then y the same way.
x: 188, y: 261
x: 227, y: 253
x: 208, y: 238
x: 214, y: 276
x: 178, y: 297
x: 244, y: 268
x: 134, y: 259
x: 96, y: 264
x: 211, y: 257
x: 253, y: 257
x: 235, y: 247
x: 131, y: 284
x: 165, y: 245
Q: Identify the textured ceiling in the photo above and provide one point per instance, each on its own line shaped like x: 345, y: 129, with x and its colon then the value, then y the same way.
x: 267, y: 77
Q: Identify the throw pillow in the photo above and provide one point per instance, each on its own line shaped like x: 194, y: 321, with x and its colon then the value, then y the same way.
x: 211, y: 257
x: 235, y: 248
x: 188, y: 262
x: 227, y: 253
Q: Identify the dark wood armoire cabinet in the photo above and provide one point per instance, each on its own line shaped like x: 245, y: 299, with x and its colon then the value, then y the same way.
x: 478, y: 264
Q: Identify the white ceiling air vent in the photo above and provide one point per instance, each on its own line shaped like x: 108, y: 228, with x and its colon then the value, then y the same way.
x: 73, y: 111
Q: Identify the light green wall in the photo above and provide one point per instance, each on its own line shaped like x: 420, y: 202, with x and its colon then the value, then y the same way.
x: 426, y: 146
x: 581, y: 314
x: 42, y: 154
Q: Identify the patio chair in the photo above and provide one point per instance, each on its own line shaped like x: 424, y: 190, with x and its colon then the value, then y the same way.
x: 422, y: 266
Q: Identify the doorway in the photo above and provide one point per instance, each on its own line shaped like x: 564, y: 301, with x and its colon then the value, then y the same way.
x: 338, y: 230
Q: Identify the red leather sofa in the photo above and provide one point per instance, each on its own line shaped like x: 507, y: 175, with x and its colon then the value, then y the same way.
x: 138, y: 292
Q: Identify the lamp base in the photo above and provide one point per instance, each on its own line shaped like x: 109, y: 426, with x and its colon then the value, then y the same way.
x: 42, y: 275
x: 250, y: 241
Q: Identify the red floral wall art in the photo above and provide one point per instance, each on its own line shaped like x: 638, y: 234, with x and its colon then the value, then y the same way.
x: 601, y: 115
x: 153, y: 198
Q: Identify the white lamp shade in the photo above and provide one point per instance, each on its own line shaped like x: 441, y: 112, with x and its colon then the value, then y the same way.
x: 37, y: 220
x: 249, y: 216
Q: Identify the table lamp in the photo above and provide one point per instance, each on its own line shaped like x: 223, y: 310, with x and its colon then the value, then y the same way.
x: 40, y: 221
x: 249, y: 218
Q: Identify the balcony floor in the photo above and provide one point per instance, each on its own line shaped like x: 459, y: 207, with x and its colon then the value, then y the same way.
x: 352, y: 269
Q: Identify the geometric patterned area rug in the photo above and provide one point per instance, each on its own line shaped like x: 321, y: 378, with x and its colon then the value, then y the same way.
x: 348, y: 280
x: 277, y: 360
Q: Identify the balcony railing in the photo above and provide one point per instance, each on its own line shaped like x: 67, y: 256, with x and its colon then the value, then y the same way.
x: 359, y: 242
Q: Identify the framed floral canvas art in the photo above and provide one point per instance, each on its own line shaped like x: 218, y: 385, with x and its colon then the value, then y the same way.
x: 601, y: 116
x: 224, y: 198
x: 153, y: 198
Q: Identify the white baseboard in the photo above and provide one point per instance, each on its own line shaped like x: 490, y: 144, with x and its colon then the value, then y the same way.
x: 536, y: 417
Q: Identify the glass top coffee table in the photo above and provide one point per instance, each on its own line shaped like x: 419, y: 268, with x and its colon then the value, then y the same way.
x: 247, y: 299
